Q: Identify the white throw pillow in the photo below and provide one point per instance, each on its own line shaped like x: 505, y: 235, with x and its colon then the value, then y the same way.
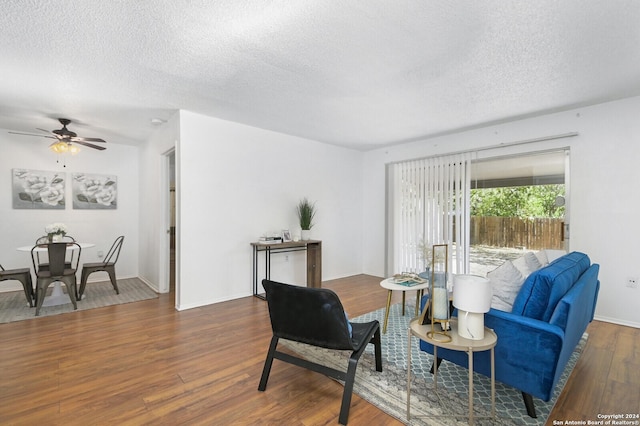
x: 506, y: 281
x: 554, y: 254
x: 542, y: 257
x: 527, y: 264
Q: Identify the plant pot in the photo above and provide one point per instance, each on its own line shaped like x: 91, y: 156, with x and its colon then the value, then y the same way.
x: 305, y: 234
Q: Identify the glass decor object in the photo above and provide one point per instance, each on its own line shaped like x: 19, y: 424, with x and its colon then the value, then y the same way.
x: 438, y: 306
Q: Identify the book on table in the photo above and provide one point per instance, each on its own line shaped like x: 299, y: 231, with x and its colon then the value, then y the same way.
x: 408, y: 279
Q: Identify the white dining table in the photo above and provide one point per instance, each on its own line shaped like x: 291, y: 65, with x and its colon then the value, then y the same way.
x: 57, y: 297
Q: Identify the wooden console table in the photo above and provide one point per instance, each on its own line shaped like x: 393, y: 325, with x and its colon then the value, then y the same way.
x: 314, y: 260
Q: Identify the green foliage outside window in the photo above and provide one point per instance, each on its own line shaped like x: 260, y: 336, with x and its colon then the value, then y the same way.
x: 525, y: 202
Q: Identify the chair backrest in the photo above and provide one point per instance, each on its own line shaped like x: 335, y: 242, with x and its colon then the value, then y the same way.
x: 114, y: 251
x: 45, y: 240
x: 41, y: 241
x: 57, y: 253
x: 309, y: 315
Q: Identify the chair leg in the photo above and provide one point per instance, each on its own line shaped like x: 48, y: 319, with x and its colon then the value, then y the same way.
x: 27, y: 284
x: 71, y: 291
x: 351, y: 374
x: 83, y: 283
x: 41, y: 290
x: 528, y: 402
x: 267, y: 364
x: 348, y: 389
x: 377, y: 345
x: 112, y: 277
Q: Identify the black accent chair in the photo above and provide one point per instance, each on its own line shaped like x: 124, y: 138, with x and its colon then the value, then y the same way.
x: 57, y: 271
x: 108, y: 266
x: 316, y: 317
x: 24, y: 276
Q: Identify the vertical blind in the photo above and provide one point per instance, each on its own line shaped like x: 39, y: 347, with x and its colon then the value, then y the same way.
x: 430, y: 205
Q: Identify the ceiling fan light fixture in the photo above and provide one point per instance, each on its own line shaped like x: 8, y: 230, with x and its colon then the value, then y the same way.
x: 73, y: 149
x: 62, y: 147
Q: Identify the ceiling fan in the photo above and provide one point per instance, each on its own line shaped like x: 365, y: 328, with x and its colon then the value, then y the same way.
x: 65, y: 138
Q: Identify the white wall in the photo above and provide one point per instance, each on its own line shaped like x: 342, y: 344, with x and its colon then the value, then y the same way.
x: 237, y: 182
x: 153, y: 189
x: 604, y: 199
x: 20, y: 227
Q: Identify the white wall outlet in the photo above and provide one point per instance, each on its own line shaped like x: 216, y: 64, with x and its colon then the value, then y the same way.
x: 632, y: 282
x: 100, y: 254
x: 286, y: 258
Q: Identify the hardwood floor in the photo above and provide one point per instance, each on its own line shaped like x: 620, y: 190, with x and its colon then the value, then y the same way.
x: 145, y: 363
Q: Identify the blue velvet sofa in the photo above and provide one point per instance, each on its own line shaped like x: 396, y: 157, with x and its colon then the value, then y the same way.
x: 535, y: 340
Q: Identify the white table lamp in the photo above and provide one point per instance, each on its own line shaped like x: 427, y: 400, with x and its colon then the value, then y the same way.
x: 472, y: 297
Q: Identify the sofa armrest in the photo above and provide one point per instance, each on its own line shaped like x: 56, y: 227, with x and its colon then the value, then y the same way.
x: 528, y: 351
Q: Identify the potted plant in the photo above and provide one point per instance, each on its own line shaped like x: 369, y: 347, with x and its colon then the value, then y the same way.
x: 306, y: 212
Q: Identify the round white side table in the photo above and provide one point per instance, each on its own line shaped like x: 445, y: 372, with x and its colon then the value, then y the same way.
x: 391, y: 286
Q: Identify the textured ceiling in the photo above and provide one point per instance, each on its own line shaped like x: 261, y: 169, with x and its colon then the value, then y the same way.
x: 360, y: 74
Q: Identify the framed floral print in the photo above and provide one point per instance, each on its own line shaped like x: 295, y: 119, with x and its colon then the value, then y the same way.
x: 93, y: 191
x: 38, y: 189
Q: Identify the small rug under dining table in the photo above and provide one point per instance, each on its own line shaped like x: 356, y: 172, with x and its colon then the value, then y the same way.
x: 14, y: 307
x: 388, y: 390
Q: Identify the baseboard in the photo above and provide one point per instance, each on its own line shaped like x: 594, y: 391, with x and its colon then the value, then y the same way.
x: 183, y: 307
x: 148, y: 283
x: 617, y: 321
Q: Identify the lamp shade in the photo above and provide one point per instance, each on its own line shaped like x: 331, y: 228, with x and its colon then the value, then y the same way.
x: 471, y: 293
x: 472, y: 297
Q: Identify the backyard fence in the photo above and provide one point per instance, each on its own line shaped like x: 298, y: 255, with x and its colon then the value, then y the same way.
x: 532, y: 234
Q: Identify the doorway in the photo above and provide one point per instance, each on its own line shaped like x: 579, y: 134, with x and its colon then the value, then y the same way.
x: 172, y: 222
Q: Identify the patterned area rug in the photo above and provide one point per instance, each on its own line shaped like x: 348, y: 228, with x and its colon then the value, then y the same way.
x: 14, y: 307
x: 388, y: 390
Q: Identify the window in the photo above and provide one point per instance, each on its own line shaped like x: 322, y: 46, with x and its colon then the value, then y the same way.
x: 429, y: 204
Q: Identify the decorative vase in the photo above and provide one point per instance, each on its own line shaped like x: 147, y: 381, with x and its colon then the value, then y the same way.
x: 55, y: 238
x: 305, y: 234
x: 426, y: 274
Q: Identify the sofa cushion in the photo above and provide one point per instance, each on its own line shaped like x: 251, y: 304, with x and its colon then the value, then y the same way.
x: 506, y: 281
x: 543, y: 289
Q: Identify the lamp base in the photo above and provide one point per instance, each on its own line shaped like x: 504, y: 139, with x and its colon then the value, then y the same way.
x: 471, y: 325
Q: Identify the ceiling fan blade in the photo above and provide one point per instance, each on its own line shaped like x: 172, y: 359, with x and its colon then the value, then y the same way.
x: 79, y: 139
x: 43, y: 130
x: 33, y: 134
x: 90, y: 145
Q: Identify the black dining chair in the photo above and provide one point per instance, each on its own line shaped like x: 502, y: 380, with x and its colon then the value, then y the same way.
x: 108, y: 266
x: 43, y: 265
x: 57, y: 271
x: 24, y: 276
x: 315, y: 316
